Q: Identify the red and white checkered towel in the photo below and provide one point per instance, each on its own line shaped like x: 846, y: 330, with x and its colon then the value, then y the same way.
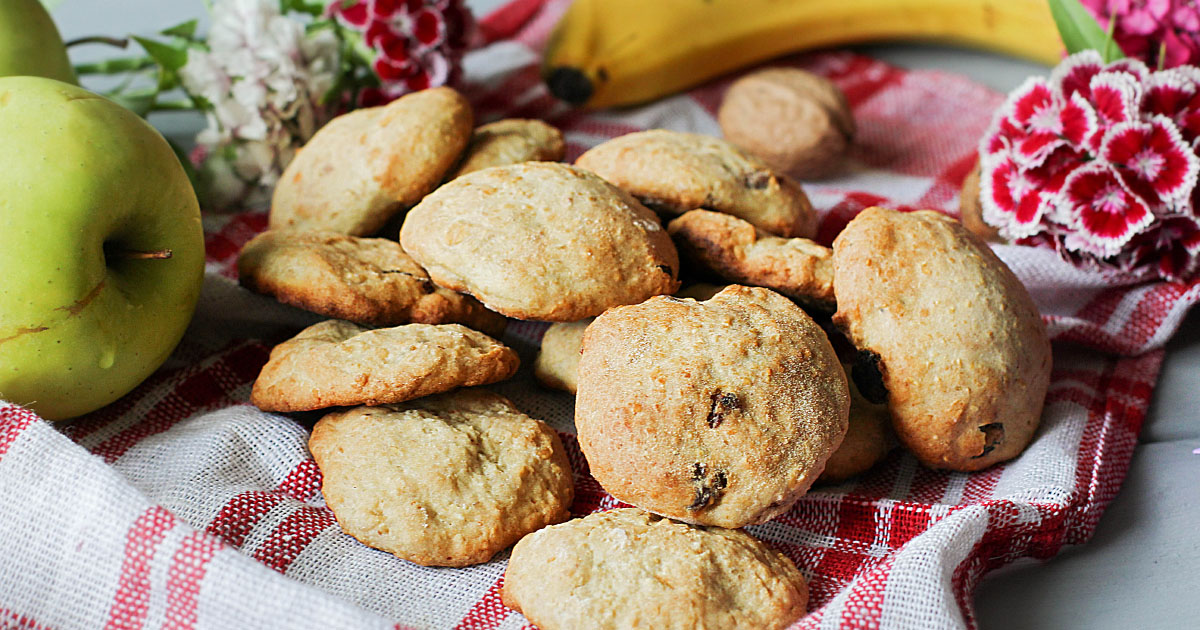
x: 181, y: 506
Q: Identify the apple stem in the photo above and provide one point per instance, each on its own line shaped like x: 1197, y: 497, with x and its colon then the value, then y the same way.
x: 116, y: 42
x: 117, y: 253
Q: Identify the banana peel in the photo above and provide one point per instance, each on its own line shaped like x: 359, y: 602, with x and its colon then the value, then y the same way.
x: 606, y: 53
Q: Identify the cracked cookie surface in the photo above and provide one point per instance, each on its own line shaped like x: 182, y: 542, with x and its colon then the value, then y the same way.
x: 720, y: 412
x: 958, y: 344
x: 337, y: 363
x: 447, y: 480
x: 541, y: 241
x: 365, y: 166
x: 674, y: 172
x: 510, y: 141
x: 364, y: 280
x: 626, y: 568
x: 738, y: 252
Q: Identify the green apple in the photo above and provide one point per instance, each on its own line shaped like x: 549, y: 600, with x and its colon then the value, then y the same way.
x: 101, y: 248
x: 30, y: 43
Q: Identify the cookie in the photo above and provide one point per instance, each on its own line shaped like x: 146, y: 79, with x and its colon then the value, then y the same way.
x: 447, y: 480
x: 336, y: 363
x: 557, y: 363
x: 674, y: 172
x: 542, y: 241
x: 971, y: 210
x: 797, y: 122
x: 868, y: 439
x: 511, y: 141
x: 363, y: 167
x: 720, y: 412
x: 700, y: 291
x: 947, y: 330
x: 368, y: 281
x: 625, y: 568
x: 738, y: 252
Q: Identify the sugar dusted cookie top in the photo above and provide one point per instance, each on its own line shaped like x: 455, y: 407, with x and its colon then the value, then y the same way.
x: 626, y: 568
x: 675, y: 172
x: 365, y: 166
x: 447, y: 480
x: 365, y: 280
x: 336, y: 363
x: 541, y: 241
x: 720, y: 412
x: 957, y: 340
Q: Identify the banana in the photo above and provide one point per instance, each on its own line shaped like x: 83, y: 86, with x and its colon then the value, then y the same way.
x: 606, y: 53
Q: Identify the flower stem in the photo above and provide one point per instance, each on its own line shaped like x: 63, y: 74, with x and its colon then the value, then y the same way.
x: 115, y: 66
x: 173, y: 106
x: 115, y: 42
x: 1108, y: 41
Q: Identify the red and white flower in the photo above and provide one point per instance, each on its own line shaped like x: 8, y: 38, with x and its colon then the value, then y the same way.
x: 1099, y: 162
x: 1153, y: 160
x: 412, y: 44
x: 1104, y: 212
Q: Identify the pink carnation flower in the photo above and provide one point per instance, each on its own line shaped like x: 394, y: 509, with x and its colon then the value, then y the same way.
x: 1099, y: 161
x: 1148, y: 29
x: 414, y: 44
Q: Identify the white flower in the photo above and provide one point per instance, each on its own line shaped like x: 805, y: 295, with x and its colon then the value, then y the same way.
x: 264, y: 78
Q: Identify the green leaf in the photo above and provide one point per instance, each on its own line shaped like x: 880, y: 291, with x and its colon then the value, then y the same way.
x: 186, y: 30
x: 170, y: 56
x: 311, y: 7
x: 1080, y: 31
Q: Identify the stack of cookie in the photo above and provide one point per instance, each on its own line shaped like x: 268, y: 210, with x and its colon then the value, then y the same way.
x: 708, y: 410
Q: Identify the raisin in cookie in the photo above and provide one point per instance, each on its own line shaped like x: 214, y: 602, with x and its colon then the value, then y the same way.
x: 542, y: 241
x: 557, y: 363
x: 949, y: 330
x: 674, y: 172
x: 364, y: 280
x: 337, y: 363
x: 447, y: 480
x: 363, y: 167
x: 737, y: 251
x: 720, y: 412
x: 511, y: 141
x: 625, y: 568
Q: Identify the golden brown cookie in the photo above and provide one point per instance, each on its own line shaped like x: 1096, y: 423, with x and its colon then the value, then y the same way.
x: 447, y: 480
x: 368, y: 281
x: 738, y: 252
x: 971, y: 210
x: 700, y: 291
x: 674, y: 172
x: 363, y: 167
x: 625, y: 568
x: 336, y: 363
x: 557, y: 363
x: 950, y: 332
x: 868, y: 440
x: 542, y: 241
x: 797, y: 122
x: 717, y: 413
x: 511, y: 141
